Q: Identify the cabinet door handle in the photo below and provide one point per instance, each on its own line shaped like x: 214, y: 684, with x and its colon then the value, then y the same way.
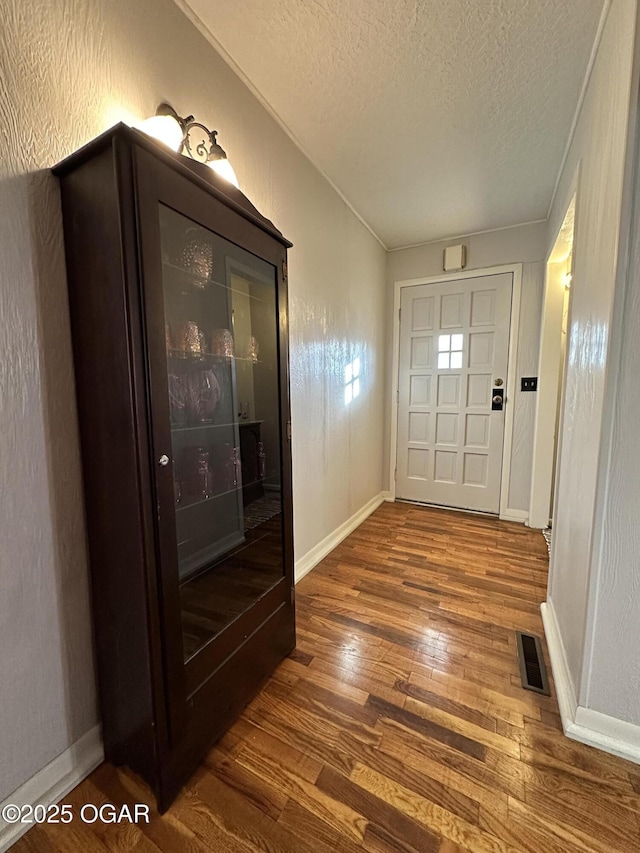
x: 164, y: 460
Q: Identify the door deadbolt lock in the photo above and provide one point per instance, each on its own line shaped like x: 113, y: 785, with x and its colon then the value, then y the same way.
x: 497, y: 400
x: 499, y: 382
x: 164, y: 460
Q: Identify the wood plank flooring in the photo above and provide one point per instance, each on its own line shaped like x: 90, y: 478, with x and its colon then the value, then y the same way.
x: 398, y: 724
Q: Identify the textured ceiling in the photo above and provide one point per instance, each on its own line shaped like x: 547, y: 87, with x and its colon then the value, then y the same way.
x: 432, y: 117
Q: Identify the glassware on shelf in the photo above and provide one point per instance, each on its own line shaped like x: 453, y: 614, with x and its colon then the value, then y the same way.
x: 222, y: 343
x: 197, y: 475
x: 230, y: 467
x: 178, y: 399
x: 205, y: 474
x: 197, y: 258
x: 253, y: 350
x: 262, y: 461
x: 203, y: 396
x: 190, y: 338
x: 238, y: 465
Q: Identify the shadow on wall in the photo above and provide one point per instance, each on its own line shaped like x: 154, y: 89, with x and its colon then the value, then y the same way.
x: 62, y: 449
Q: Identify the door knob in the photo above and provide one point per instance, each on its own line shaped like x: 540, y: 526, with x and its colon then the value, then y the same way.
x: 164, y: 460
x: 497, y: 399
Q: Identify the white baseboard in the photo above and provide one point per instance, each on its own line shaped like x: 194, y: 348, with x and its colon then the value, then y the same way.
x: 519, y: 515
x: 320, y: 551
x: 54, y: 781
x: 608, y: 733
x: 561, y: 677
x: 579, y: 723
x: 388, y: 496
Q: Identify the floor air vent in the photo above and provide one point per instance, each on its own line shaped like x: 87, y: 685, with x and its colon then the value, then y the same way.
x: 532, y: 669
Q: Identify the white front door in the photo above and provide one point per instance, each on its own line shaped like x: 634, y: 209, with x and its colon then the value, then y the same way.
x: 454, y: 346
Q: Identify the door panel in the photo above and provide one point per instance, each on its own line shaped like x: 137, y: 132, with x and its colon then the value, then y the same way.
x: 454, y: 344
x: 217, y: 368
x: 220, y: 312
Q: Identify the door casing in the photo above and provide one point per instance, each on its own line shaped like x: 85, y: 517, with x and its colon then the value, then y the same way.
x: 516, y: 270
x: 547, y: 437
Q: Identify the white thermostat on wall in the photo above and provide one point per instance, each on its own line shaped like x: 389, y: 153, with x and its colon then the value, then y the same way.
x: 455, y: 258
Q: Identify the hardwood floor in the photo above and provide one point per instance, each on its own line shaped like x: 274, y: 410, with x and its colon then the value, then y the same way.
x: 398, y: 724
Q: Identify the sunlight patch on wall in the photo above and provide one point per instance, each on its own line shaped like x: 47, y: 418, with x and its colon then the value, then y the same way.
x: 351, y: 381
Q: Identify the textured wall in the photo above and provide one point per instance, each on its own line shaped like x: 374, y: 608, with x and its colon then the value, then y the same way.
x: 615, y: 620
x: 525, y: 403
x: 524, y: 244
x: 68, y: 70
x: 599, y: 148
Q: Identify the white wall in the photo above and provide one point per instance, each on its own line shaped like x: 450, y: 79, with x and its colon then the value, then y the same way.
x: 599, y: 147
x: 609, y: 689
x: 68, y: 70
x: 613, y: 626
x: 524, y: 244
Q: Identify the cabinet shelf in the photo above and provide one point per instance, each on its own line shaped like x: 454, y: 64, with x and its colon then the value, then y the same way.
x: 199, y: 427
x: 181, y: 507
x: 185, y: 357
x: 199, y: 282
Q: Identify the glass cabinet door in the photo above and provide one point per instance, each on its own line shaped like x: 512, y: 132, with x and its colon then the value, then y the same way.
x: 221, y: 333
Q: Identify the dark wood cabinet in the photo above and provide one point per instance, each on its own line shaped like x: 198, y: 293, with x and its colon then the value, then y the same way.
x: 178, y: 301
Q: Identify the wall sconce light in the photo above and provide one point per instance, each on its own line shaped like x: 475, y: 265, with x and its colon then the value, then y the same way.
x: 189, y: 137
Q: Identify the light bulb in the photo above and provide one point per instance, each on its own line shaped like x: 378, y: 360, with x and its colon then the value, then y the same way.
x: 567, y: 280
x: 165, y: 129
x: 225, y: 169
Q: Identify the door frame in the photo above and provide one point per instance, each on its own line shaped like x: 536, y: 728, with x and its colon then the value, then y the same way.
x: 547, y: 447
x: 516, y: 271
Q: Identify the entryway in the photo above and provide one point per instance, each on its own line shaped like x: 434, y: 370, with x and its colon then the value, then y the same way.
x: 553, y: 352
x: 452, y: 393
